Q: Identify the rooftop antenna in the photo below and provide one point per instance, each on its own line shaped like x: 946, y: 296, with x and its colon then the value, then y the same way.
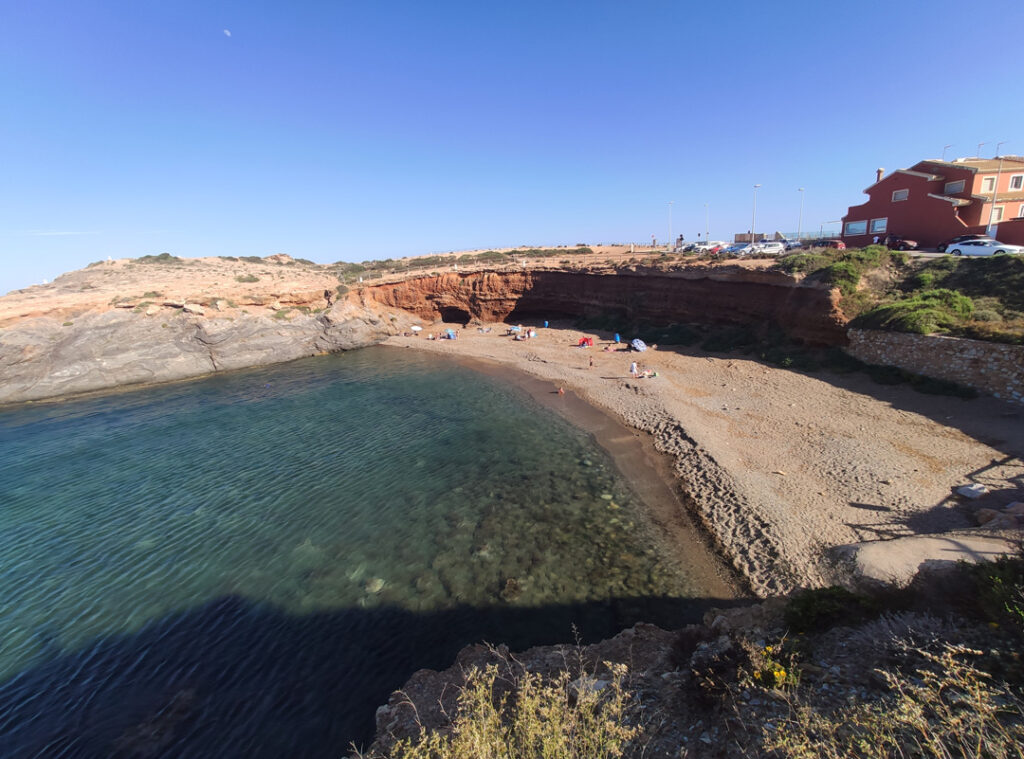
x: 978, y: 154
x: 944, y: 149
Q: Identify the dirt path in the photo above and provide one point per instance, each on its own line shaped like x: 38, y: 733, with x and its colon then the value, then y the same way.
x: 781, y: 466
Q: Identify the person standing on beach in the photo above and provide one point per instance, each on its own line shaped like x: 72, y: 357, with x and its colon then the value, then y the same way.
x: 591, y: 363
x: 633, y: 369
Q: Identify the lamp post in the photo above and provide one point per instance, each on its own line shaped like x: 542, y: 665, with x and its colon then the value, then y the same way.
x: 670, y: 223
x: 978, y: 154
x: 800, y: 221
x: 944, y: 149
x: 753, y: 216
x: 707, y: 218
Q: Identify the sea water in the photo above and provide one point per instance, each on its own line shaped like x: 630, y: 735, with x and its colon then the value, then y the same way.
x: 248, y: 564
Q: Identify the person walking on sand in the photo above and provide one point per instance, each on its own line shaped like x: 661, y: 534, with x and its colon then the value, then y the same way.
x: 591, y: 363
x: 633, y: 369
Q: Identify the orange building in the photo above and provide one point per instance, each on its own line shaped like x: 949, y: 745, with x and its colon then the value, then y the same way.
x: 935, y: 200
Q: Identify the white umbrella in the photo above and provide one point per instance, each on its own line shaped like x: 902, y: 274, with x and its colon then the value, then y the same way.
x: 416, y: 328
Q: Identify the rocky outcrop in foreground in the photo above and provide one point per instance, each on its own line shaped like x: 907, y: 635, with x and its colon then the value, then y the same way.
x: 45, y: 358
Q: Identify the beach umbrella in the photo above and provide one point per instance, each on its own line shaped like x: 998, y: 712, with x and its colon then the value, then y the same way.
x: 639, y: 345
x: 416, y: 328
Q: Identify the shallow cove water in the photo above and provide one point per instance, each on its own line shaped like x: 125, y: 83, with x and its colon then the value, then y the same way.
x: 248, y: 564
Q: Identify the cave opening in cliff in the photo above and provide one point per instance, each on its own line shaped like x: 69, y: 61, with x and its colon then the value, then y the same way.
x: 538, y: 313
x: 454, y: 315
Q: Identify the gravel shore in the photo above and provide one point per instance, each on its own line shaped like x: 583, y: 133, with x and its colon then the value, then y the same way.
x: 780, y: 467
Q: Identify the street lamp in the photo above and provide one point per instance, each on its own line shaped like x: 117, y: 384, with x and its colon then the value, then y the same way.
x: 999, y: 145
x: 978, y: 154
x: 753, y: 215
x: 800, y: 222
x: 944, y: 149
x: 670, y: 223
x: 707, y: 217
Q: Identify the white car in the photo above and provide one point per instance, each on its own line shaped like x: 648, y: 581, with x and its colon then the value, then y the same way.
x: 983, y: 248
x: 771, y: 248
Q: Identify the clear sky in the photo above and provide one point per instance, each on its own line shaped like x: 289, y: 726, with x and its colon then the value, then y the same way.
x: 354, y: 130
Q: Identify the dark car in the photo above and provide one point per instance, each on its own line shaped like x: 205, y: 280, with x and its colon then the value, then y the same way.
x: 895, y: 242
x: 942, y: 247
x: 827, y: 243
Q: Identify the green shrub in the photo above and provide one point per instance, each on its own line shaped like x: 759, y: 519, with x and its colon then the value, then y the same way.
x: 820, y: 609
x: 341, y: 289
x: 67, y: 324
x: 987, y: 315
x: 163, y: 258
x: 247, y: 278
x: 924, y: 313
x: 151, y: 294
x: 842, y: 274
x: 251, y: 259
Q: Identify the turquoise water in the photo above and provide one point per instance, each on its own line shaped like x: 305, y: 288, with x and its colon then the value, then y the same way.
x: 248, y: 564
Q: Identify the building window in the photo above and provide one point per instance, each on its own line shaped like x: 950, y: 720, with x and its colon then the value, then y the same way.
x: 1017, y: 182
x: 988, y: 184
x: 899, y: 195
x: 1020, y: 213
x: 952, y: 188
x: 878, y: 226
x: 997, y: 215
x: 856, y: 228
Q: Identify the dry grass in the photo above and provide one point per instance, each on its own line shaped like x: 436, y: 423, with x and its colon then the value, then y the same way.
x: 948, y: 709
x: 524, y: 715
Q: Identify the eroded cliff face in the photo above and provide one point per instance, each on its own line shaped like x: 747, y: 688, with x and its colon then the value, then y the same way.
x: 43, y: 358
x: 709, y: 295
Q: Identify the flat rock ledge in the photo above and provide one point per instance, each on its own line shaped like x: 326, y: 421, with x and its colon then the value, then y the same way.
x: 46, y: 358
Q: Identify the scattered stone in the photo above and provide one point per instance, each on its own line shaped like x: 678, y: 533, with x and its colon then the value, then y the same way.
x: 1017, y: 507
x: 375, y: 585
x: 972, y: 491
x: 152, y: 310
x: 984, y: 516
x: 193, y: 308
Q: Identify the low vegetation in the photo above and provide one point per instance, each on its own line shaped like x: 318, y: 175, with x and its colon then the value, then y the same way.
x: 931, y: 671
x: 163, y: 258
x: 351, y: 272
x: 247, y: 278
x: 980, y: 298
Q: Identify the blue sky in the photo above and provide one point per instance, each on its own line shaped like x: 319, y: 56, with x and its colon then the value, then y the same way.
x: 354, y: 130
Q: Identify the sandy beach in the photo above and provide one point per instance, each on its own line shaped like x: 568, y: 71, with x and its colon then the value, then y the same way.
x: 779, y: 467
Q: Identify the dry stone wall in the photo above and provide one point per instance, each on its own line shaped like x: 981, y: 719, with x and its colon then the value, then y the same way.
x: 991, y: 368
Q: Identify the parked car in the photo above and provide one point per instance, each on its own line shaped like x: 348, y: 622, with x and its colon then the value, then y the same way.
x: 794, y: 244
x: 895, y: 242
x: 738, y: 249
x: 942, y: 246
x: 770, y: 248
x: 829, y: 243
x: 984, y: 248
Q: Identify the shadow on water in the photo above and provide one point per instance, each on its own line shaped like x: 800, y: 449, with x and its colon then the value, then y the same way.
x: 232, y: 678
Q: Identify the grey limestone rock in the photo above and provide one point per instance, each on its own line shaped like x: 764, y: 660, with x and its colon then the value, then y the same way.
x: 43, y: 358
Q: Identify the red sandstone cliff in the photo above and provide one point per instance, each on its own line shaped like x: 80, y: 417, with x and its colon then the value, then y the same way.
x: 712, y: 294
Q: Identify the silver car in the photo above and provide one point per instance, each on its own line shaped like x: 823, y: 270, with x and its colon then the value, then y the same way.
x: 983, y: 248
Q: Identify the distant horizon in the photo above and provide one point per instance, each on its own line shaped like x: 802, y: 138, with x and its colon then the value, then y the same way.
x: 349, y: 132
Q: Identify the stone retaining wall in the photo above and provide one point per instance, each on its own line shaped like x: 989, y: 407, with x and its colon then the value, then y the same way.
x: 991, y: 368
